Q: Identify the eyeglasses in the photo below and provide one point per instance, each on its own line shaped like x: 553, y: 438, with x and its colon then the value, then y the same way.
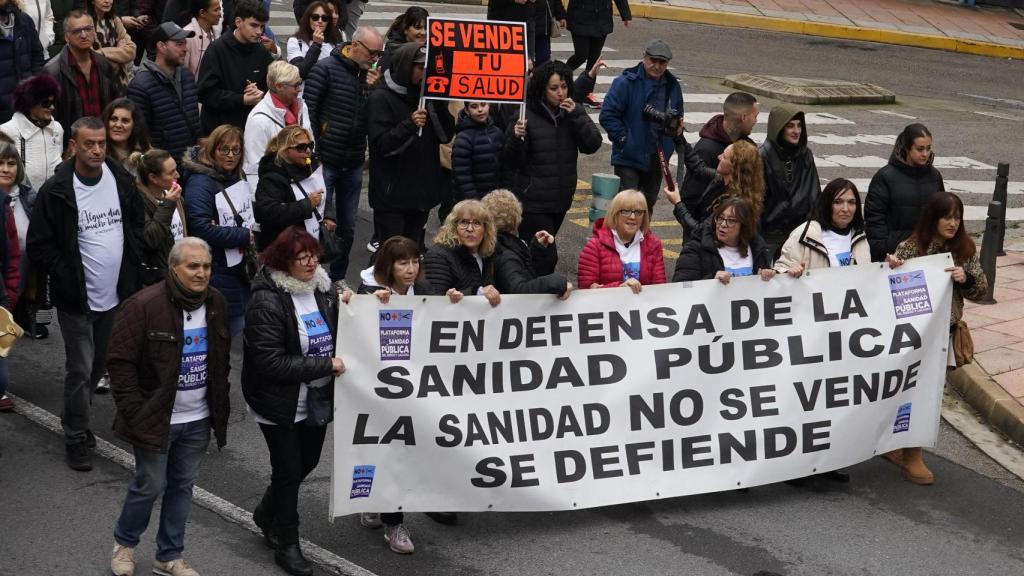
x: 303, y: 147
x: 295, y: 85
x: 308, y: 259
x: 628, y: 213
x: 469, y: 224
x: 319, y: 18
x: 727, y: 222
x: 51, y: 104
x: 236, y: 151
x: 82, y: 31
x: 373, y: 53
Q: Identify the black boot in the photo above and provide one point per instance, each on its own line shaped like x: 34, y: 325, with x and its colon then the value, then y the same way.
x: 288, y: 555
x: 263, y: 517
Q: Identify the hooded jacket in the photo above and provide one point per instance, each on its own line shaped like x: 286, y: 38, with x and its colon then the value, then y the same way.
x: 273, y: 365
x: 713, y: 141
x: 264, y: 122
x: 896, y: 195
x: 52, y: 242
x: 40, y: 148
x: 275, y: 206
x: 335, y: 93
x: 594, y: 17
x: 476, y: 157
x: 600, y: 262
x: 21, y: 56
x: 546, y: 161
x: 170, y: 106
x: 791, y: 178
x: 202, y: 184
x: 144, y: 361
x: 227, y: 65
x: 700, y: 259
x: 515, y: 271
x: 633, y: 138
x: 405, y: 162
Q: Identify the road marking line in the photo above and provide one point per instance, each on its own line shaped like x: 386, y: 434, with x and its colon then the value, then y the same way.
x: 999, y: 115
x: 326, y: 559
x: 811, y: 118
x: 891, y: 113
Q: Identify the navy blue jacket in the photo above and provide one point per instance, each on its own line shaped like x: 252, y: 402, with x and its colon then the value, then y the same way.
x: 336, y: 95
x: 21, y: 56
x: 476, y: 158
x: 622, y: 118
x: 171, y: 109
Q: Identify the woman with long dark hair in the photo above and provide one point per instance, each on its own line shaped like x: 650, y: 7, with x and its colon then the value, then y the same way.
x: 126, y: 131
x: 113, y: 41
x: 832, y: 237
x: 899, y: 190
x: 409, y: 26
x: 728, y: 247
x: 940, y: 229
x: 314, y: 39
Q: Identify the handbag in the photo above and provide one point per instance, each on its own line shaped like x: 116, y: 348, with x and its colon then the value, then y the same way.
x: 250, y: 262
x: 556, y: 30
x: 330, y: 244
x: 963, y: 344
x: 319, y: 410
x: 10, y: 332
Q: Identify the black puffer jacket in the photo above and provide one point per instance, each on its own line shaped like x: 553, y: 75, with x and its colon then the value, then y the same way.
x: 170, y: 106
x: 790, y: 177
x: 227, y: 66
x: 335, y: 93
x: 394, y: 41
x: 275, y: 207
x: 713, y: 141
x: 476, y: 158
x: 52, y: 242
x: 455, y: 267
x: 896, y: 195
x: 512, y: 11
x: 515, y: 271
x: 21, y: 56
x: 546, y: 162
x: 405, y: 165
x: 594, y: 17
x: 273, y: 365
x: 700, y: 260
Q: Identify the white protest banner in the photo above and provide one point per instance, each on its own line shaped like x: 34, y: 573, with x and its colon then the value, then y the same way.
x: 610, y: 397
x: 302, y: 189
x: 241, y: 199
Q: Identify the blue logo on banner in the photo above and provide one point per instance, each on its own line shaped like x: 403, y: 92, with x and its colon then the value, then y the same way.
x: 395, y: 335
x: 362, y: 481
x: 902, y: 419
x: 909, y: 294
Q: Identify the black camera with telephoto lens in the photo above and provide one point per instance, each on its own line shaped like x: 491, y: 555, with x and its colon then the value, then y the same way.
x: 667, y: 122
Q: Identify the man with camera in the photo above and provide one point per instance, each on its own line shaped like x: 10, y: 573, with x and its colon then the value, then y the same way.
x: 643, y: 114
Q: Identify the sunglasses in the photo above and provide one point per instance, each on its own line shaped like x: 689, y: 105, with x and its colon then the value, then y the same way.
x: 319, y: 18
x: 303, y: 147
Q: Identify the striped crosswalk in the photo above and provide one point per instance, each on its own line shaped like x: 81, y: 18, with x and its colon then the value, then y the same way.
x: 849, y: 142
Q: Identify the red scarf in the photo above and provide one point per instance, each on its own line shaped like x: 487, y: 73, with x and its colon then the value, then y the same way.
x: 291, y: 113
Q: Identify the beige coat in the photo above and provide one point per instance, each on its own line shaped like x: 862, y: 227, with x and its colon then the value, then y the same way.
x: 806, y: 246
x: 121, y: 54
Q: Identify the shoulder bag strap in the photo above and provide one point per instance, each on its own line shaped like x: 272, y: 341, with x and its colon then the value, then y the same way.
x: 316, y: 212
x: 239, y: 221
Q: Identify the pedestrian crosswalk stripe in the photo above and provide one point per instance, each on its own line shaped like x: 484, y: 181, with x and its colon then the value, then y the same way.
x: 811, y: 118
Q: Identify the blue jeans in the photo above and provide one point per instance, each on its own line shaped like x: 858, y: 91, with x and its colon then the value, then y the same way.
x: 344, y: 184
x: 171, y: 474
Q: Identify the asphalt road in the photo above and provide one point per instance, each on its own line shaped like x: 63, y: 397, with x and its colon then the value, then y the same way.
x: 968, y: 523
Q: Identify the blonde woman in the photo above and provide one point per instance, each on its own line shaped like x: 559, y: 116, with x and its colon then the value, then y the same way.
x: 623, y: 251
x: 461, y: 262
x: 280, y: 107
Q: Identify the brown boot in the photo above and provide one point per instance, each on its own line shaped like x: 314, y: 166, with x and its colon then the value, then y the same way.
x: 896, y: 457
x: 913, y: 468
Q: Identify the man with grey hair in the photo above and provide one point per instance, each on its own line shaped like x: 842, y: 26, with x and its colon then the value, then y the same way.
x: 336, y: 93
x: 86, y: 234
x: 168, y: 364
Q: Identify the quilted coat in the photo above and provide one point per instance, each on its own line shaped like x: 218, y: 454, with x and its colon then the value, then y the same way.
x: 335, y: 93
x: 514, y: 270
x: 599, y: 261
x: 455, y: 267
x: 896, y: 195
x: 700, y: 260
x: 476, y: 158
x: 170, y: 106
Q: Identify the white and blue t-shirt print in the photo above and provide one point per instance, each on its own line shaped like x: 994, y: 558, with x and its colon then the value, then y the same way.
x: 734, y: 263
x: 319, y: 334
x: 190, y: 399
x: 838, y: 246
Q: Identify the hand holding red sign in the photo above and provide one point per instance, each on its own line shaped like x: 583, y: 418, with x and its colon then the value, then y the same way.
x: 475, y: 60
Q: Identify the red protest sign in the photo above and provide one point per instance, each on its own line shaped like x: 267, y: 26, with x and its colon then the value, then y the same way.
x: 475, y: 60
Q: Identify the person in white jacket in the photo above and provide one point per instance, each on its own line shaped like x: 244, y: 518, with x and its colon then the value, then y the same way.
x: 37, y: 135
x: 41, y: 14
x: 281, y: 106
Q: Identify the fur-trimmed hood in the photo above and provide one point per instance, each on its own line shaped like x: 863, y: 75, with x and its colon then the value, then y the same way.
x: 283, y: 281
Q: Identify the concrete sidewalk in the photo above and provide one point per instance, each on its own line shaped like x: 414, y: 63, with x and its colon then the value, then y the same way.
x: 994, y: 384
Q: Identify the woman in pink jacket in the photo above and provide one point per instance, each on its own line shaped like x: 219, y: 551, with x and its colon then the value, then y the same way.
x: 623, y: 251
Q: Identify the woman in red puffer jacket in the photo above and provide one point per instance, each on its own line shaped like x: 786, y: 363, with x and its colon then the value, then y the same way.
x: 623, y: 249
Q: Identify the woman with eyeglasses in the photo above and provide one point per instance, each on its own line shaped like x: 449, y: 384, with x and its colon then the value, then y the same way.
x: 37, y: 135
x: 126, y: 131
x: 209, y: 170
x: 728, y: 247
x: 281, y: 199
x: 409, y: 26
x: 281, y: 106
x: 112, y: 40
x: 287, y: 379
x: 460, y: 263
x: 623, y: 251
x: 315, y: 38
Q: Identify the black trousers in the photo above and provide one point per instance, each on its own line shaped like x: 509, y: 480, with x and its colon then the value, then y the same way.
x: 409, y: 223
x: 534, y: 222
x: 648, y: 182
x: 294, y: 453
x: 585, y: 49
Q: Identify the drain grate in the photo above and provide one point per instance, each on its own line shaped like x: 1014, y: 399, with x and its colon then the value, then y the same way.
x: 1017, y: 25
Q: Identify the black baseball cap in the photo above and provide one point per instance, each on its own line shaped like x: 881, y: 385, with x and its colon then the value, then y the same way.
x: 171, y: 31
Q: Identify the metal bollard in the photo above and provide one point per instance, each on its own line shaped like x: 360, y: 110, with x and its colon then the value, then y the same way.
x: 999, y: 195
x: 993, y: 231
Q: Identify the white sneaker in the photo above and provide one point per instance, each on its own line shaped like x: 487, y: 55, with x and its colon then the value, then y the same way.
x: 122, y: 560
x: 370, y: 520
x: 173, y: 568
x: 372, y: 245
x: 398, y: 539
x: 103, y: 386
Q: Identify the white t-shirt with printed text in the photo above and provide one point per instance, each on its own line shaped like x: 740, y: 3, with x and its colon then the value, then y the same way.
x: 190, y: 399
x: 838, y: 247
x: 100, y: 239
x: 734, y: 263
